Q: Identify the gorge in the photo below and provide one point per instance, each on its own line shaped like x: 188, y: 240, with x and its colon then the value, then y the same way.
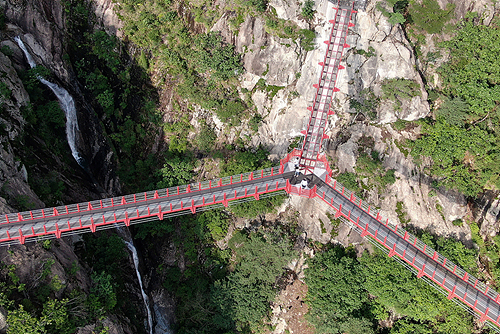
x: 207, y: 121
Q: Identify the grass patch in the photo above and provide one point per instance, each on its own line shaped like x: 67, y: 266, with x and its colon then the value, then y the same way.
x: 402, y: 214
x: 440, y: 209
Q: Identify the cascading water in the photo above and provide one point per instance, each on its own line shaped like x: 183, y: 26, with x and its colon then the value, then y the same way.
x: 67, y: 104
x: 131, y: 246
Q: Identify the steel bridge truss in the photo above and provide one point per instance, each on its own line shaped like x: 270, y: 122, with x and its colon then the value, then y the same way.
x: 151, y: 205
x: 321, y: 108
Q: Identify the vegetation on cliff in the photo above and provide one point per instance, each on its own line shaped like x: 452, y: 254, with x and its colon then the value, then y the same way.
x: 462, y: 138
x: 351, y: 294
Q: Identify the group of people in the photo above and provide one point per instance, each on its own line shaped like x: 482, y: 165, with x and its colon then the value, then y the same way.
x: 303, y: 183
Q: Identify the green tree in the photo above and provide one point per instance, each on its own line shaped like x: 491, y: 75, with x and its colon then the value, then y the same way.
x: 307, y: 10
x: 472, y: 72
x: 465, y: 159
x: 56, y: 317
x: 453, y: 111
x: 22, y: 322
x: 396, y: 18
x: 427, y: 15
x: 400, y: 291
x: 245, y: 161
x: 206, y: 138
x: 243, y: 298
x: 176, y: 171
x: 399, y: 90
x: 253, y: 209
x: 336, y: 293
x: 259, y: 5
x: 218, y: 57
x: 216, y: 222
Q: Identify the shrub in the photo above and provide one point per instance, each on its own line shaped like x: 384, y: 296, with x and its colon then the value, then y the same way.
x: 259, y: 5
x: 453, y: 111
x: 307, y: 39
x: 399, y: 89
x: 206, y: 138
x: 428, y: 16
x: 349, y: 180
x: 255, y: 122
x: 231, y: 110
x: 307, y: 10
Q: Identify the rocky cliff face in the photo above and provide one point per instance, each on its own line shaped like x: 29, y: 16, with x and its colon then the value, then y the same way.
x: 13, y: 174
x: 42, y: 27
x: 385, y: 54
x: 280, y: 62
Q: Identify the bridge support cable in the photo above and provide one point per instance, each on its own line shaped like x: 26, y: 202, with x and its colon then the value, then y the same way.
x: 152, y: 205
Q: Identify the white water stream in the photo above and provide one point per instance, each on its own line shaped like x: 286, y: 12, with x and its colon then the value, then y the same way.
x: 67, y: 105
x: 131, y: 246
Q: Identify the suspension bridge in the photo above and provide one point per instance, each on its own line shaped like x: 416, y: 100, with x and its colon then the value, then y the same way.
x: 303, y: 172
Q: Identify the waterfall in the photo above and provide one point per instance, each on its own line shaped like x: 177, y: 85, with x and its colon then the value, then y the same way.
x: 67, y: 105
x: 131, y: 246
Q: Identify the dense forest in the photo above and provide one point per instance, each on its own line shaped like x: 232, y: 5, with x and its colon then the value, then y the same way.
x: 229, y: 277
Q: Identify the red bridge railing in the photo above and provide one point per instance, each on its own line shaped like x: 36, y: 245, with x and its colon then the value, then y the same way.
x: 365, y: 230
x: 124, y: 209
x: 325, y: 88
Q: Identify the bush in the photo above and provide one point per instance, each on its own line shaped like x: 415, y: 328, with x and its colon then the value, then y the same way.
x: 255, y: 122
x: 429, y: 16
x: 206, y: 138
x: 254, y: 209
x: 104, y: 290
x: 367, y: 103
x: 399, y: 90
x: 400, y: 124
x: 259, y: 5
x: 245, y: 161
x: 221, y: 59
x: 453, y: 111
x: 349, y: 180
x: 307, y: 39
x: 307, y: 10
x: 231, y: 110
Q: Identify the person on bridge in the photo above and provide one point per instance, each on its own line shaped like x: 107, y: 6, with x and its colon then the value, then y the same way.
x: 303, y: 183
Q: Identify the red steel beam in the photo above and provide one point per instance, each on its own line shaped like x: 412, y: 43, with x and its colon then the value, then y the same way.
x: 235, y: 188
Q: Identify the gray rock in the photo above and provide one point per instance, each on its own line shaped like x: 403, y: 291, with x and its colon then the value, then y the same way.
x: 106, y: 15
x: 3, y: 320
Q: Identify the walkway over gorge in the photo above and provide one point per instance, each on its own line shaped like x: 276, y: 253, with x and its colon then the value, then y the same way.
x: 307, y: 164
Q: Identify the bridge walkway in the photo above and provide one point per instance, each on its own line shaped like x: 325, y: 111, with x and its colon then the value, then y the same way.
x: 320, y: 110
x: 157, y: 204
x: 426, y: 261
